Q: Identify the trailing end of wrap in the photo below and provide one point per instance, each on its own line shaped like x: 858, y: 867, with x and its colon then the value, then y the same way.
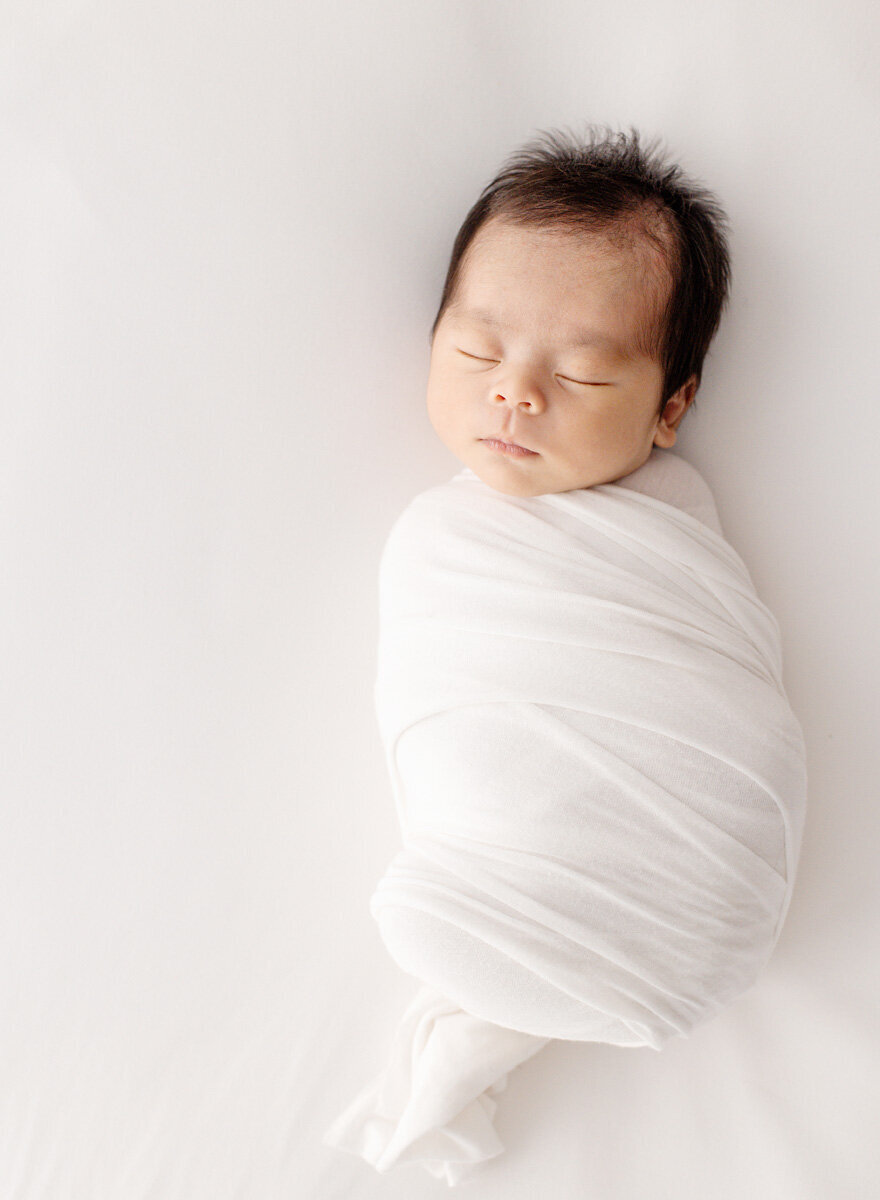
x: 434, y: 1102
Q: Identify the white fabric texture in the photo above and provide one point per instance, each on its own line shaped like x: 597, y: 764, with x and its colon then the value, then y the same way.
x: 600, y: 785
x: 672, y: 479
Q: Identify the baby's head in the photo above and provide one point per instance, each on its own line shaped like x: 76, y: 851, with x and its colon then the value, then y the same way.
x: 584, y: 288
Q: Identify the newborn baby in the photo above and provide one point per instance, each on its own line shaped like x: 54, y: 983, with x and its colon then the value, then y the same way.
x: 599, y: 780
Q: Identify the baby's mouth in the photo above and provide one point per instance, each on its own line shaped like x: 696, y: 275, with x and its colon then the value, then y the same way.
x: 511, y: 448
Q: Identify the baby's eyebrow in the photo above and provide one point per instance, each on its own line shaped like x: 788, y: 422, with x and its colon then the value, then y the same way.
x: 578, y: 338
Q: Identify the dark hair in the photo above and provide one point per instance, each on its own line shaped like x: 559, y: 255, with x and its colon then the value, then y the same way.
x: 607, y: 183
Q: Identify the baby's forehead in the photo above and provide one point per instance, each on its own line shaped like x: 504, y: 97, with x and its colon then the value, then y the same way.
x: 623, y: 254
x: 627, y: 249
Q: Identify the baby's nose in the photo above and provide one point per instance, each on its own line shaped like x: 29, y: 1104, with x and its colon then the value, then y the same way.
x: 524, y: 394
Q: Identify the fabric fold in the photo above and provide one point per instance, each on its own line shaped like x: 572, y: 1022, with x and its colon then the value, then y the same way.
x: 434, y: 1103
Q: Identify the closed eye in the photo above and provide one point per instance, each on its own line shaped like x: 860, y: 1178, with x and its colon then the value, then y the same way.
x: 584, y: 382
x: 477, y: 357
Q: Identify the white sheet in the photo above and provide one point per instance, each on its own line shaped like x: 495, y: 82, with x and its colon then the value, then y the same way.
x: 223, y: 234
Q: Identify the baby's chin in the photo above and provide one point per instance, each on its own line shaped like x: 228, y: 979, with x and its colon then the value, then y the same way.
x: 521, y: 479
x: 539, y: 475
x: 535, y: 474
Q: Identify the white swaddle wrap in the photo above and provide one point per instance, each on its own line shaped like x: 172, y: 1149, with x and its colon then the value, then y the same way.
x: 600, y: 785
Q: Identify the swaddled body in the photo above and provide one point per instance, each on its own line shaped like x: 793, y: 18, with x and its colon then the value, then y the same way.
x: 600, y: 785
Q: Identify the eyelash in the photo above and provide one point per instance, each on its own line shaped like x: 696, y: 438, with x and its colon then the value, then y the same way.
x: 581, y: 382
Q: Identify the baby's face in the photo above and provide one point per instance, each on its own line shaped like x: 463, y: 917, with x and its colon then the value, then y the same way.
x: 541, y: 348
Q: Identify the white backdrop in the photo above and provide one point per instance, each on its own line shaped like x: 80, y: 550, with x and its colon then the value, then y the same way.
x: 223, y: 231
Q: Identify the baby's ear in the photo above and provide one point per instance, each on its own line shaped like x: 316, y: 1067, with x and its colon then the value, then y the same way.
x: 673, y: 413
